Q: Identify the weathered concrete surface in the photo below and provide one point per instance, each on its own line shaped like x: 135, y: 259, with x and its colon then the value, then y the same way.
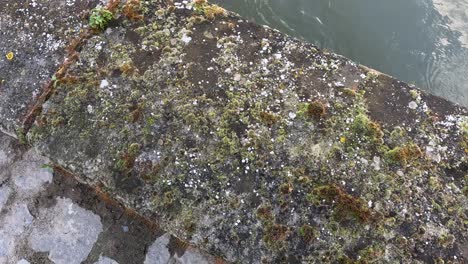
x: 33, y: 38
x: 258, y: 147
x: 50, y: 218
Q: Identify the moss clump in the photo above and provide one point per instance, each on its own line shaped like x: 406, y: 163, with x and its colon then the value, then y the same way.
x: 464, y: 137
x: 127, y: 68
x: 347, y: 206
x: 264, y: 213
x: 132, y: 10
x: 446, y: 240
x: 434, y: 183
x: 269, y: 119
x: 127, y: 159
x: 397, y: 135
x: 21, y: 136
x: 404, y: 154
x: 316, y: 109
x: 168, y: 198
x: 370, y: 254
x: 286, y: 188
x: 275, y: 234
x: 210, y: 11
x: 99, y: 18
x: 362, y: 125
x: 350, y: 92
x: 190, y: 227
x: 307, y: 233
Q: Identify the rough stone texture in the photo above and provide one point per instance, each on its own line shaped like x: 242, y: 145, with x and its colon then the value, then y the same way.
x: 61, y: 221
x: 105, y: 260
x: 4, y: 195
x: 258, y: 147
x: 36, y: 33
x: 158, y: 251
x: 66, y: 240
x: 30, y: 173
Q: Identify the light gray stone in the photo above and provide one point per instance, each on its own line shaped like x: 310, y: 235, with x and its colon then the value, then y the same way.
x: 12, y: 226
x: 105, y: 260
x: 67, y: 231
x: 4, y: 158
x: 192, y: 257
x: 158, y: 252
x: 28, y: 174
x: 4, y: 195
x: 17, y: 219
x: 7, y: 245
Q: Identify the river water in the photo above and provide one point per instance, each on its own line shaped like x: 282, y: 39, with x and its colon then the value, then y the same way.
x: 423, y: 42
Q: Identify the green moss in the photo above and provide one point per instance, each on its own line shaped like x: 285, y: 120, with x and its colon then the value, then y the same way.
x: 363, y: 126
x: 132, y: 10
x: 446, y: 240
x: 370, y: 254
x: 302, y: 110
x: 404, y: 154
x: 21, y: 135
x: 361, y: 123
x: 349, y: 92
x: 264, y: 213
x: 286, y: 188
x: 316, y: 109
x: 99, y: 18
x: 268, y: 118
x: 282, y: 135
x: 372, y: 77
x: 126, y: 159
x: 347, y: 206
x: 275, y: 236
x: 210, y: 11
x: 434, y: 183
x: 415, y: 94
x: 397, y: 134
x: 59, y: 120
x: 464, y: 136
x: 195, y: 20
x: 133, y: 149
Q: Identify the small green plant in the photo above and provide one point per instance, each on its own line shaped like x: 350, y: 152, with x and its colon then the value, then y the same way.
x: 100, y: 18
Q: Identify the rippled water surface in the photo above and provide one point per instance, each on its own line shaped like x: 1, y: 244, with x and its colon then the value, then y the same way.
x: 424, y: 42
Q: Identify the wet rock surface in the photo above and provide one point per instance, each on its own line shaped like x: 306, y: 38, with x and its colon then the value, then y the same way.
x: 255, y: 146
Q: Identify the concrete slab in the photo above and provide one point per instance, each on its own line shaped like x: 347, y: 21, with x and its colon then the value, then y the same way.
x: 51, y: 218
x: 258, y: 147
x: 245, y: 142
x: 33, y: 38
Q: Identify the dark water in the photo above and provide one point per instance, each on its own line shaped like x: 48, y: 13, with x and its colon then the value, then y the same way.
x: 424, y: 42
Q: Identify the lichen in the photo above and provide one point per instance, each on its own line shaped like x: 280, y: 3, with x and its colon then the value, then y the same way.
x: 223, y: 130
